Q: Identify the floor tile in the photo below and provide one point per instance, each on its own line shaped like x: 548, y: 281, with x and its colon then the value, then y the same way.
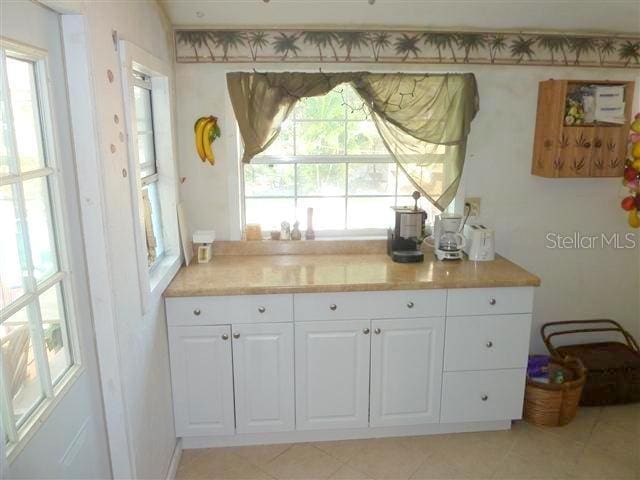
x: 580, y: 428
x: 388, y: 458
x: 260, y: 455
x: 218, y: 464
x: 626, y: 417
x: 599, y: 464
x: 343, y: 450
x: 303, y: 461
x: 345, y: 472
x: 517, y: 467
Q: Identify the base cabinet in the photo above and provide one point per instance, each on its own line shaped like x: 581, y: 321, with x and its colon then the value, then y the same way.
x: 318, y: 366
x: 263, y: 374
x: 201, y: 374
x: 406, y: 371
x: 332, y: 374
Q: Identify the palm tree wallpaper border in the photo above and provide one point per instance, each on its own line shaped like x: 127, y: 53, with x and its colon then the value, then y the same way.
x: 392, y: 46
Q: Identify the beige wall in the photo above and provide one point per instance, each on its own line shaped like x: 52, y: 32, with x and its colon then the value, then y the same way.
x: 522, y: 208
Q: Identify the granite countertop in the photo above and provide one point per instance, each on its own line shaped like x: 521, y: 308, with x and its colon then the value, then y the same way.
x: 262, y: 274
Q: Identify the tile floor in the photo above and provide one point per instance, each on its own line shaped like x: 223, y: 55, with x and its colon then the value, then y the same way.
x: 601, y: 443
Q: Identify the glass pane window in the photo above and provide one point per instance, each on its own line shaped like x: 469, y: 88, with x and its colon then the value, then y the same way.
x: 330, y: 157
x: 146, y: 147
x: 35, y: 352
x: 19, y: 358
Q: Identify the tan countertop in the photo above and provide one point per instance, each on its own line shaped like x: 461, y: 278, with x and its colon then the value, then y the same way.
x: 261, y: 274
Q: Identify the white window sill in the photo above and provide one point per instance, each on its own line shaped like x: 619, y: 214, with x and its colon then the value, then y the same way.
x: 162, y: 275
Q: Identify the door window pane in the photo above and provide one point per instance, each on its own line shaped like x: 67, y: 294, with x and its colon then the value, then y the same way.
x: 26, y: 118
x: 7, y: 162
x: 12, y: 262
x: 54, y: 327
x: 23, y: 381
x: 41, y: 234
x: 152, y: 222
x: 144, y: 120
x: 321, y: 179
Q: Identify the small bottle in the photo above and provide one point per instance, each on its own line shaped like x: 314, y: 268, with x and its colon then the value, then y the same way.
x: 295, y: 233
x: 285, y: 231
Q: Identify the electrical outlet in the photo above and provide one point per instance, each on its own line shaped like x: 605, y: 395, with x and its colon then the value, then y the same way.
x: 474, y: 202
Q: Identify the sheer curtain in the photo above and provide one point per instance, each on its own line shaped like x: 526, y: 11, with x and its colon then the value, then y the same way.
x: 423, y: 119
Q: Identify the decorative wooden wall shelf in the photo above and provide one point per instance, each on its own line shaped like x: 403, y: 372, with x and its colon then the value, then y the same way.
x: 577, y: 151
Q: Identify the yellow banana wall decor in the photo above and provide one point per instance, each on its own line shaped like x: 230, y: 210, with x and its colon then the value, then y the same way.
x: 206, y: 130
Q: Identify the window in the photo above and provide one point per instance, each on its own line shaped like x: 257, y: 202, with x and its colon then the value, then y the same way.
x: 143, y: 106
x: 328, y: 156
x: 37, y: 352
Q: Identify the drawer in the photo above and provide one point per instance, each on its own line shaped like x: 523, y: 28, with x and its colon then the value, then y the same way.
x: 229, y: 309
x: 488, y: 301
x: 482, y: 396
x: 368, y: 305
x: 487, y: 342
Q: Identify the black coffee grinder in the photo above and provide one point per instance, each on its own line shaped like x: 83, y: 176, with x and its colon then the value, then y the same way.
x: 403, y: 240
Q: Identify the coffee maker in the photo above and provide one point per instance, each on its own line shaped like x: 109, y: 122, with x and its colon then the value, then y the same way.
x: 403, y: 240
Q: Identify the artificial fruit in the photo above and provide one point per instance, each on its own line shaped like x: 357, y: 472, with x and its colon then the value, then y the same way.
x: 628, y: 203
x: 634, y: 219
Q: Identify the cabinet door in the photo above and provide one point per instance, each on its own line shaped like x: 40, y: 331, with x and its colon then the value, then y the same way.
x: 406, y: 371
x: 263, y: 373
x: 202, y: 379
x: 332, y: 374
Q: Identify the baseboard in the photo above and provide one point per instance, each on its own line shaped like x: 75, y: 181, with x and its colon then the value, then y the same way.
x: 175, y: 461
x: 341, y: 434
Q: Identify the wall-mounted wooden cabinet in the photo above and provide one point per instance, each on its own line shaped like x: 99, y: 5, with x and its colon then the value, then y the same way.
x: 577, y: 151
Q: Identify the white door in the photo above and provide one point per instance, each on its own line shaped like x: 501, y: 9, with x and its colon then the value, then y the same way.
x: 332, y: 374
x: 406, y: 371
x: 51, y: 400
x: 202, y: 379
x: 263, y: 374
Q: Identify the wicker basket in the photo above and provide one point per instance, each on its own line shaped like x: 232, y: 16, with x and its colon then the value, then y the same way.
x: 613, y: 367
x: 555, y: 404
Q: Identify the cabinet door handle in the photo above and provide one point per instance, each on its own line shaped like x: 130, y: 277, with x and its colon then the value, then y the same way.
x: 197, y: 312
x: 262, y: 309
x: 484, y: 398
x: 492, y: 301
x: 410, y: 305
x: 225, y: 336
x: 333, y: 307
x: 365, y: 331
x: 236, y: 335
x: 377, y: 331
x: 489, y: 344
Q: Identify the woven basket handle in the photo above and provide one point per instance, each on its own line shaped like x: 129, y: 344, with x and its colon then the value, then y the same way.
x: 611, y: 326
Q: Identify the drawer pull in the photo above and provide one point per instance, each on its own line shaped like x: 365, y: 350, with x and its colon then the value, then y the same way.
x: 262, y: 309
x: 377, y: 331
x: 365, y: 331
x: 410, y: 305
x: 197, y: 312
x: 489, y: 344
x: 492, y: 301
x: 484, y: 398
x: 333, y: 307
x: 236, y: 335
x: 225, y: 336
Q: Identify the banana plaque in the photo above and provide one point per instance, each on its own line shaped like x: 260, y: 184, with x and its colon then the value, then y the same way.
x: 206, y: 130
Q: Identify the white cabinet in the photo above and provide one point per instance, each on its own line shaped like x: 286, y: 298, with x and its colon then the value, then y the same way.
x: 263, y: 374
x: 406, y: 371
x: 482, y: 396
x: 201, y: 375
x: 487, y: 342
x: 332, y: 374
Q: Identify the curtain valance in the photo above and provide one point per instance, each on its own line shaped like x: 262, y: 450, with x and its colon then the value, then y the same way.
x: 423, y: 119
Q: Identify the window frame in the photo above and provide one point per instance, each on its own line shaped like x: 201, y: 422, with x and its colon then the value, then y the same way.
x: 51, y: 172
x: 152, y: 281
x: 343, y: 158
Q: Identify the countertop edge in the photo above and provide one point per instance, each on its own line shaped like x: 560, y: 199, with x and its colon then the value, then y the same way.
x: 533, y: 281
